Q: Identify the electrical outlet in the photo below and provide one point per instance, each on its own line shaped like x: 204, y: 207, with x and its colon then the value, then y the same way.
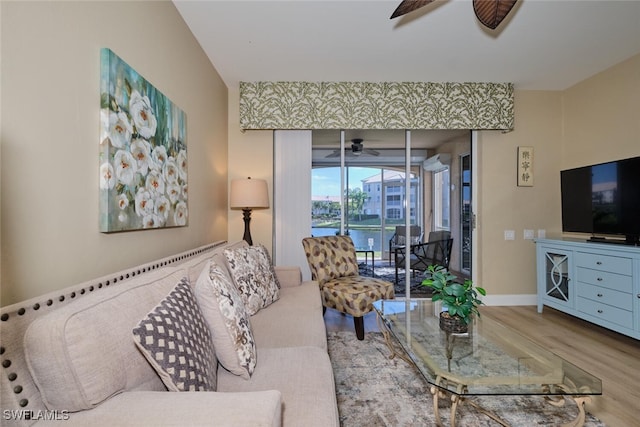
x: 509, y: 235
x: 528, y: 234
x: 542, y: 233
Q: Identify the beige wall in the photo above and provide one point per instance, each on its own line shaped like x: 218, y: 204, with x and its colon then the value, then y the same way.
x: 591, y: 122
x: 602, y: 116
x: 508, y: 267
x: 50, y: 119
x: 250, y: 154
x: 49, y: 104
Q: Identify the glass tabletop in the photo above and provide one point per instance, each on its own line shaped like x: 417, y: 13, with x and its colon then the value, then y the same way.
x: 491, y: 359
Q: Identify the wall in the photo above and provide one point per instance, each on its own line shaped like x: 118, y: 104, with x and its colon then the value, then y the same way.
x: 250, y: 154
x: 602, y: 116
x: 594, y: 121
x: 50, y: 120
x: 507, y: 268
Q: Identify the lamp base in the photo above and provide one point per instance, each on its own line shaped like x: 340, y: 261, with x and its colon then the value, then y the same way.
x: 246, y: 216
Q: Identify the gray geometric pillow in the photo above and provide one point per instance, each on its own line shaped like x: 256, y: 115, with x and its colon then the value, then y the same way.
x: 228, y: 320
x: 253, y: 275
x: 176, y: 341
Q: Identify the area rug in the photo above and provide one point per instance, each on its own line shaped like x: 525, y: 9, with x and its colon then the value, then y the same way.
x: 383, y: 270
x: 373, y: 390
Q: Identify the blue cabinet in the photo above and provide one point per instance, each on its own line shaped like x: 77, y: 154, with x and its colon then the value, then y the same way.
x: 597, y: 282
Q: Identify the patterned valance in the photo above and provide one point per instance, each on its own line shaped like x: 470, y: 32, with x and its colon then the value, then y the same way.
x: 361, y: 105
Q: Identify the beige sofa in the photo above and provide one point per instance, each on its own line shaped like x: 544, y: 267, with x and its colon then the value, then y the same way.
x: 69, y: 357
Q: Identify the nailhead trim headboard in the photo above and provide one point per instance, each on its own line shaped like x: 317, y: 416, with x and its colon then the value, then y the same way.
x: 18, y: 390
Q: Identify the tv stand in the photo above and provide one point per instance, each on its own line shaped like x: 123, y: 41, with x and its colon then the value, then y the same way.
x: 597, y: 283
x: 629, y: 240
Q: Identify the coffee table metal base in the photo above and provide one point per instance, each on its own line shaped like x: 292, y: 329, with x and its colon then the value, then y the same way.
x: 459, y: 398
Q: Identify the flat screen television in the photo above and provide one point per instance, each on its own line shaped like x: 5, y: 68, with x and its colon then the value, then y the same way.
x: 603, y: 199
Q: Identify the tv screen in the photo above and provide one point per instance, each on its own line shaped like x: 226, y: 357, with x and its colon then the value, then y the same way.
x: 602, y: 198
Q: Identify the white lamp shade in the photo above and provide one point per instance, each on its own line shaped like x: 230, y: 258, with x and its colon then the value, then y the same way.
x: 249, y: 193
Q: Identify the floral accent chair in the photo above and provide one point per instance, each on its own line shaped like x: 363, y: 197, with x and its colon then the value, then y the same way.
x: 333, y: 264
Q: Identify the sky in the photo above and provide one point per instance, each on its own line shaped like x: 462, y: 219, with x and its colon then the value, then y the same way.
x: 326, y: 181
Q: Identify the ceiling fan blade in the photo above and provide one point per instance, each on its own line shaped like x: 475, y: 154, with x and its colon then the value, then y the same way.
x: 336, y: 153
x: 409, y: 6
x: 492, y: 12
x: 371, y: 152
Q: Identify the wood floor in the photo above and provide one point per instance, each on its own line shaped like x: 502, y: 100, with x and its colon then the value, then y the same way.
x: 612, y: 357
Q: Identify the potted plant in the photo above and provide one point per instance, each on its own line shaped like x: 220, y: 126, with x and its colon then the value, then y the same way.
x: 459, y: 300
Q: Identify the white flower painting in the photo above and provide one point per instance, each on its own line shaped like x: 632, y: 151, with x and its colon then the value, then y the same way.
x: 143, y: 152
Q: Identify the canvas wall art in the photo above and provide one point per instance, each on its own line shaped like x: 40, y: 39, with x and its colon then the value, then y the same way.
x: 143, y: 152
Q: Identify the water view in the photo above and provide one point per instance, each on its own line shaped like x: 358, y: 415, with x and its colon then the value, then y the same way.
x: 360, y: 237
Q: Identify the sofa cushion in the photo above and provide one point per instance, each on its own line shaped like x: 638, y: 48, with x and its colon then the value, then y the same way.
x: 154, y: 409
x: 292, y: 321
x: 176, y: 341
x: 253, y: 275
x: 228, y: 320
x: 82, y: 353
x: 303, y: 375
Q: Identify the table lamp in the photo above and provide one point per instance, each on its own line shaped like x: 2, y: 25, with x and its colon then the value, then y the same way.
x: 248, y: 194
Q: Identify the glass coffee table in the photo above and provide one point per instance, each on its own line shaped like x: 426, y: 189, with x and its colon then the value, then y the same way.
x: 491, y: 359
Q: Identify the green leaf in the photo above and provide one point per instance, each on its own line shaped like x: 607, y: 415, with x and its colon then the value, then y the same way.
x: 456, y: 289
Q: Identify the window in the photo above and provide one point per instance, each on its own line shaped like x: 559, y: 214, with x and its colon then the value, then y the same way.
x: 394, y: 200
x: 393, y: 213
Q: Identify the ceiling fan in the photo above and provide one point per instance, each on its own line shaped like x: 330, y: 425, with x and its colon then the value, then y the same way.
x: 356, y: 150
x: 489, y: 12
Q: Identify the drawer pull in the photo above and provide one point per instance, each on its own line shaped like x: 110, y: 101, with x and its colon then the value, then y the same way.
x: 600, y: 295
x: 599, y: 279
x: 598, y: 262
x: 600, y: 311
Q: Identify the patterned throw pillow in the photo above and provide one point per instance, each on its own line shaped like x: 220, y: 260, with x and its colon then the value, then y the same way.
x: 228, y: 320
x: 253, y: 276
x: 176, y: 341
x: 268, y: 257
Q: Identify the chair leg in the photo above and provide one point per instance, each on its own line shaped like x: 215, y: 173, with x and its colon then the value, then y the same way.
x: 359, y: 324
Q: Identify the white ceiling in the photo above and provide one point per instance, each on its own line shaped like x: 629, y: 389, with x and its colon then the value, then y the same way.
x: 542, y: 45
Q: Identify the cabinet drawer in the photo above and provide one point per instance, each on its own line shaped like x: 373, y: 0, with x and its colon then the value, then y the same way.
x: 606, y: 312
x: 605, y: 279
x: 605, y: 263
x: 606, y: 296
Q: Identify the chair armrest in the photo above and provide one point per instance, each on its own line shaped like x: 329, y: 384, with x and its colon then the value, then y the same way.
x: 288, y: 276
x: 166, y: 408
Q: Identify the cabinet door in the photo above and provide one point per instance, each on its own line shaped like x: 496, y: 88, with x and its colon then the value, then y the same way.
x: 636, y: 295
x: 557, y: 271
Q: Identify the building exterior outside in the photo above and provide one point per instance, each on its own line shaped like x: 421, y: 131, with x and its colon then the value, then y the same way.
x: 386, y: 193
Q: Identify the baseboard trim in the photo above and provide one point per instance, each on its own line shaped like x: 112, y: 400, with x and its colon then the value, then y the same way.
x: 497, y: 300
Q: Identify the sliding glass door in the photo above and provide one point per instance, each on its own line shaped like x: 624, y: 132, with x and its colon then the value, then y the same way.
x: 360, y: 186
x: 373, y: 203
x: 466, y: 213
